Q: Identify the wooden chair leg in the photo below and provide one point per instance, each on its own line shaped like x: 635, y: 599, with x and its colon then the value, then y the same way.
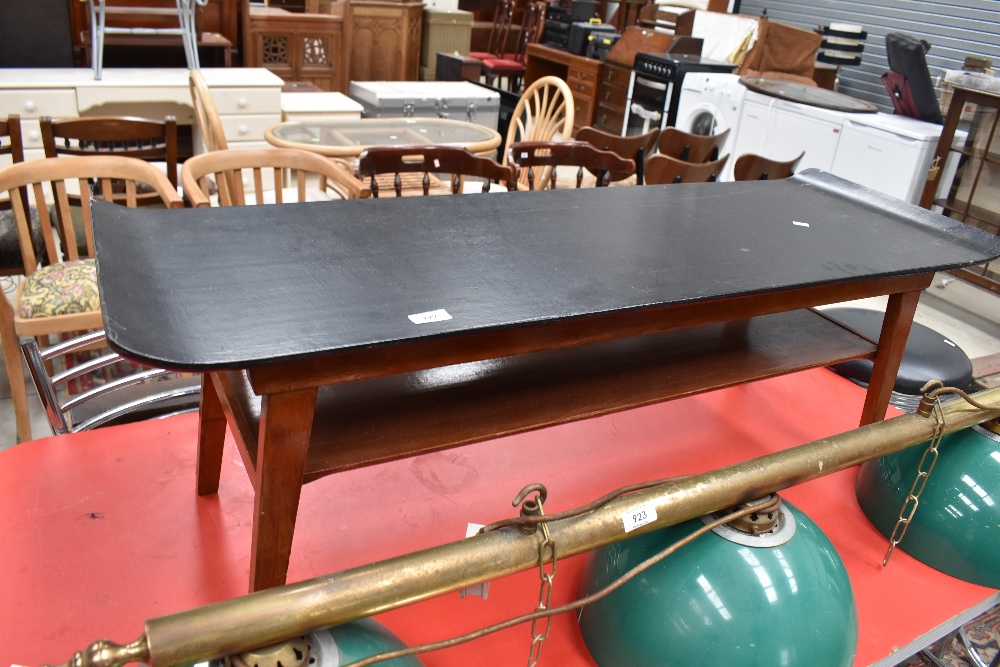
x: 211, y: 437
x: 15, y: 372
x: 285, y: 426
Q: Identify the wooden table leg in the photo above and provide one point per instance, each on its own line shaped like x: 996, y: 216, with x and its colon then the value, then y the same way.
x: 891, y: 345
x: 211, y: 437
x: 285, y: 426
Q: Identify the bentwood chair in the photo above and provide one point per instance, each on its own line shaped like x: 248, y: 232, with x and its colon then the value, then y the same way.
x: 691, y: 147
x: 429, y: 160
x: 206, y: 114
x: 59, y: 293
x: 750, y: 167
x: 240, y: 174
x: 661, y: 169
x: 530, y: 154
x: 545, y: 112
x: 637, y: 147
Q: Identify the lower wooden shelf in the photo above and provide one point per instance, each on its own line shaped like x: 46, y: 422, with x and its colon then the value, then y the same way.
x: 371, y: 421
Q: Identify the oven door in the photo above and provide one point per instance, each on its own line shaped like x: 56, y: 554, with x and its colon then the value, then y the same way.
x: 647, y: 105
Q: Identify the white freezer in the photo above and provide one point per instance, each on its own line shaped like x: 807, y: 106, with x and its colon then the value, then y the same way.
x: 888, y: 153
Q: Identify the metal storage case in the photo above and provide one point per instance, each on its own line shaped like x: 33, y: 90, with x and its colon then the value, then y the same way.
x: 447, y: 31
x: 458, y: 100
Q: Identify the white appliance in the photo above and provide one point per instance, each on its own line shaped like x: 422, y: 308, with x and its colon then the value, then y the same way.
x: 888, y: 153
x: 780, y: 130
x: 710, y: 103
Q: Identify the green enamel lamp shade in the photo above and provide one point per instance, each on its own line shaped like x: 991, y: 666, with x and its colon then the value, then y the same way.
x: 331, y: 647
x: 956, y: 528
x: 716, y: 602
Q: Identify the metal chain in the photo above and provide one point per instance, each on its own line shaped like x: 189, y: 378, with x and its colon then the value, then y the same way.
x: 924, y: 470
x: 546, y: 552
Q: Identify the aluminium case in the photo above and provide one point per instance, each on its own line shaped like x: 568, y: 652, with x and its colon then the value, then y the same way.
x: 457, y: 100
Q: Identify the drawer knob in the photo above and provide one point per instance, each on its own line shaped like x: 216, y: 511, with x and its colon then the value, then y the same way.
x: 242, y: 102
x: 29, y: 105
x: 244, y: 129
x: 33, y: 135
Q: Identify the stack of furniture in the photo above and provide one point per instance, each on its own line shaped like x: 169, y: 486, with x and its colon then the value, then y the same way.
x: 609, y: 114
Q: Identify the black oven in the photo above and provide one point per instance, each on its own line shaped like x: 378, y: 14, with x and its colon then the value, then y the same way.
x: 654, y: 89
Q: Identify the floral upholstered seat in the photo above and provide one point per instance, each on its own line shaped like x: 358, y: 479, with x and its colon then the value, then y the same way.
x: 60, y: 289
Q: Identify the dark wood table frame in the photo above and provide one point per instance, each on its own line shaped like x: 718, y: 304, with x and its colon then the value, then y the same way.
x: 318, y: 405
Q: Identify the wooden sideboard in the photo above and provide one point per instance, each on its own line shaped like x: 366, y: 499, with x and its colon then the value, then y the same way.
x: 385, y: 40
x: 298, y: 46
x: 583, y: 75
x: 610, y: 113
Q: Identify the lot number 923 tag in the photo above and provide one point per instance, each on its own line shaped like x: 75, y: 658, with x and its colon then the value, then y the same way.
x: 637, y: 516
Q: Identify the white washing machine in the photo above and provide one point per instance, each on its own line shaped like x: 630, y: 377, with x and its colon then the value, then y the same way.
x: 710, y: 103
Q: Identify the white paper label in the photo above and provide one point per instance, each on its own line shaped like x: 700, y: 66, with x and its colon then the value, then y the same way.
x: 439, y: 315
x: 473, y: 529
x: 800, y: 224
x: 637, y: 516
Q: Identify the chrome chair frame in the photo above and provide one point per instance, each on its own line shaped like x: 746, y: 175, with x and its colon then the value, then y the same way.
x: 47, y: 385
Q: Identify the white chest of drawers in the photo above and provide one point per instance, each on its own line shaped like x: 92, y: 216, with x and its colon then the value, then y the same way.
x: 248, y: 99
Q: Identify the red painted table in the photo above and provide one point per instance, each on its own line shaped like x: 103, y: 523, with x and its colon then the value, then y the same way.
x: 103, y: 529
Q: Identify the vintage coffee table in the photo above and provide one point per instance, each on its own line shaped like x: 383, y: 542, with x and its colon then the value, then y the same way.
x: 338, y: 335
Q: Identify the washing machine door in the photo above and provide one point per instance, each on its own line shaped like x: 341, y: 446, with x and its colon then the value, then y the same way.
x: 704, y: 118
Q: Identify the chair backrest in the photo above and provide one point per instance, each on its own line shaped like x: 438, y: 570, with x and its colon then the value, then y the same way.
x: 529, y: 154
x: 661, y: 169
x: 150, y: 140
x: 691, y: 147
x: 47, y: 180
x: 545, y: 112
x: 227, y: 167
x: 637, y: 147
x: 134, y: 393
x: 429, y: 160
x: 501, y: 28
x: 750, y: 167
x: 206, y: 114
x: 532, y: 24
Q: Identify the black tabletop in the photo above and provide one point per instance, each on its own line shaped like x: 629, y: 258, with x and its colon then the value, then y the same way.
x: 238, y: 287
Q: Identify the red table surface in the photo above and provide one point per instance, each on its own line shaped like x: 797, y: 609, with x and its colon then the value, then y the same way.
x: 104, y: 529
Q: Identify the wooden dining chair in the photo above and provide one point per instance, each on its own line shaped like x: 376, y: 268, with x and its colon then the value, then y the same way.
x: 497, y: 44
x: 241, y: 175
x: 150, y: 140
x: 429, y: 160
x: 751, y: 167
x: 59, y: 294
x: 637, y: 147
x: 545, y: 112
x: 527, y: 155
x: 691, y: 147
x: 206, y: 114
x: 512, y: 65
x: 661, y: 169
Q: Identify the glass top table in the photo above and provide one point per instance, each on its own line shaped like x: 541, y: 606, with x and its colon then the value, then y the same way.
x: 347, y: 138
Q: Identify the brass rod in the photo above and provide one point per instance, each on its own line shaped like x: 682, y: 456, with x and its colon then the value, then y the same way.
x: 277, y: 614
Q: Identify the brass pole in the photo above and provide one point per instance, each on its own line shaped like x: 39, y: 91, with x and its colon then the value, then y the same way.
x: 278, y: 614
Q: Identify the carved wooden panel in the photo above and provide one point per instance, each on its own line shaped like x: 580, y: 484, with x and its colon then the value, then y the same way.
x: 385, y: 40
x: 298, y: 47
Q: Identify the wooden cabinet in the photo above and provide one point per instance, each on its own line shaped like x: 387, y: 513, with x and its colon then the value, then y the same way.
x: 966, y: 184
x: 610, y: 114
x: 297, y: 46
x: 385, y: 40
x: 582, y: 75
